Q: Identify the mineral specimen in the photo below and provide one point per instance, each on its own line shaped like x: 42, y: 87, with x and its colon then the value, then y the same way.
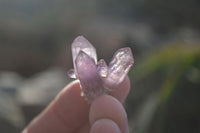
x: 96, y: 78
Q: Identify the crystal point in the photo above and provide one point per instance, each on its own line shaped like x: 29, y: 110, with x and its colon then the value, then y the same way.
x: 102, y: 68
x: 119, y: 66
x: 82, y: 44
x: 71, y: 73
x: 87, y: 74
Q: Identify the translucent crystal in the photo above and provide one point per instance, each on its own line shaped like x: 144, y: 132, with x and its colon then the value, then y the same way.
x: 82, y: 44
x: 98, y: 78
x: 102, y: 68
x: 90, y: 80
x: 119, y: 67
x: 71, y: 73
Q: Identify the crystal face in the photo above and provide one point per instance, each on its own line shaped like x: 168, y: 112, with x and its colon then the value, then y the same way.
x: 119, y: 67
x: 82, y: 44
x: 102, y: 68
x: 96, y: 78
x: 71, y: 73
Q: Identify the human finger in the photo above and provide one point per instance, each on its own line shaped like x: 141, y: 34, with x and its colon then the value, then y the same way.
x: 105, y: 126
x: 121, y: 92
x: 108, y: 107
x: 66, y: 113
x: 69, y: 110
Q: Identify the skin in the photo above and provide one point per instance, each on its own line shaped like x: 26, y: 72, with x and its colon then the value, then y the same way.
x: 70, y: 113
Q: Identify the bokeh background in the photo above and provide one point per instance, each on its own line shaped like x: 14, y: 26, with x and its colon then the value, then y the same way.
x: 35, y: 54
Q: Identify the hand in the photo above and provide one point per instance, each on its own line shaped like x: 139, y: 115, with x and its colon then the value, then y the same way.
x: 70, y: 113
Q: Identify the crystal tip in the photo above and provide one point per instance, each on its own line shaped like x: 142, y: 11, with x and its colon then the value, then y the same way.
x: 80, y: 39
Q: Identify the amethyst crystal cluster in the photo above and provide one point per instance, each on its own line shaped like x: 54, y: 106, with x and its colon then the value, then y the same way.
x: 96, y: 78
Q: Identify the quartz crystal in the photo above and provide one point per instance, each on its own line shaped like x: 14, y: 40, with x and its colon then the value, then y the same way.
x: 102, y: 68
x: 118, y: 67
x: 96, y: 78
x: 82, y: 44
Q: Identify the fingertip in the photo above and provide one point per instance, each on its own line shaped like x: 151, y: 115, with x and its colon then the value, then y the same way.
x: 122, y: 91
x: 106, y: 106
x: 105, y: 126
x: 74, y: 84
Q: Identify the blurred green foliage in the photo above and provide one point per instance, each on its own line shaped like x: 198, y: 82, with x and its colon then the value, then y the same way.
x: 174, y: 60
x: 172, y: 74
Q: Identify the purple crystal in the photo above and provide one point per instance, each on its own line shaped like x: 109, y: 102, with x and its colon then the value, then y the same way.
x: 71, y: 73
x: 102, y: 68
x: 119, y: 67
x: 98, y: 78
x: 82, y: 44
x: 90, y: 80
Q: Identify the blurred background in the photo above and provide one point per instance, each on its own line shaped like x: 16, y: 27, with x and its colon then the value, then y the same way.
x: 163, y: 35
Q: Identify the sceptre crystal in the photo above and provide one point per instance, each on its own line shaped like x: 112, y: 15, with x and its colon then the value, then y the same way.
x: 96, y: 78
